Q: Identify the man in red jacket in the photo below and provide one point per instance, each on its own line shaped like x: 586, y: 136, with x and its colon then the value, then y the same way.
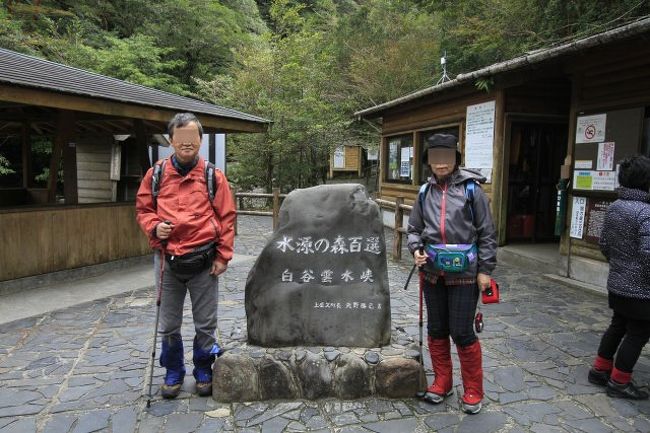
x: 196, y: 237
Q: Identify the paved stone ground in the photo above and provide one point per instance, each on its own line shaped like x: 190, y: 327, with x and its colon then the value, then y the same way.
x: 81, y: 369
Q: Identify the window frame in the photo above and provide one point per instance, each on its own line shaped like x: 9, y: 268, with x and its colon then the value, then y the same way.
x: 385, y: 159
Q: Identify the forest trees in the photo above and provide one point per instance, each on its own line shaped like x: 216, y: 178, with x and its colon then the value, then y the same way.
x: 306, y: 65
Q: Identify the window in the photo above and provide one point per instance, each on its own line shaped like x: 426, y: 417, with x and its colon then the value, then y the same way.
x: 399, y: 158
x: 425, y: 171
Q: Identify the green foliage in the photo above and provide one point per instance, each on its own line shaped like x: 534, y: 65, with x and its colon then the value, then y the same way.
x: 387, y: 49
x: 12, y: 35
x: 136, y: 59
x: 477, y: 33
x: 164, y: 44
x: 307, y: 65
x: 484, y: 84
x: 5, y: 166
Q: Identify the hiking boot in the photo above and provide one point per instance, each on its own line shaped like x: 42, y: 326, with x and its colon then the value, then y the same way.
x: 471, y: 370
x: 203, y: 382
x: 171, y: 357
x: 203, y: 360
x: 170, y: 391
x: 598, y: 377
x: 470, y: 408
x: 433, y: 398
x: 440, y: 351
x: 625, y: 390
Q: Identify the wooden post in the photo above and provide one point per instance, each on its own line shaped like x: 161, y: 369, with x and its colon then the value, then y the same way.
x: 64, y: 130
x: 500, y: 175
x: 141, y: 143
x: 397, y: 237
x: 155, y: 154
x: 276, y: 207
x: 233, y: 190
x: 27, y: 157
x: 212, y: 140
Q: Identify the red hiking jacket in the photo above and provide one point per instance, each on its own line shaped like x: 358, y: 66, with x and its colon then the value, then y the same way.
x: 185, y: 202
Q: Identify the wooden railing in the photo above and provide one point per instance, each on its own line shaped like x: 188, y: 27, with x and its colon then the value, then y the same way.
x: 239, y: 197
x: 397, y: 206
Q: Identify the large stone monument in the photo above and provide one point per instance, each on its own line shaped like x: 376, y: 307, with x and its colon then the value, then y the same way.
x: 322, y: 279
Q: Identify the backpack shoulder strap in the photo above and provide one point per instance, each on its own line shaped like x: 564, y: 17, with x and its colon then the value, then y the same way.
x: 210, y: 179
x: 156, y: 178
x: 470, y: 186
x: 424, y: 189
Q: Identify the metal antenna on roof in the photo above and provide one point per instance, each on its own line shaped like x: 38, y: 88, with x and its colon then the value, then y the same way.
x: 443, y: 62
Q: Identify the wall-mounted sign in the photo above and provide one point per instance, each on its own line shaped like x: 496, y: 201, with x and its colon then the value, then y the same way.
x: 594, y: 219
x: 479, y: 135
x: 405, y: 162
x: 591, y: 129
x: 373, y: 154
x: 584, y: 164
x: 578, y: 217
x: 594, y: 180
x: 339, y: 157
x: 606, y: 156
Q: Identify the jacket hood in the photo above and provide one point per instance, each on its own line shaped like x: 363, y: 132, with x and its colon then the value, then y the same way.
x: 460, y: 175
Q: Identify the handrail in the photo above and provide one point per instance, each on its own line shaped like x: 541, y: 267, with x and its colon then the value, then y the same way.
x: 398, y: 207
x: 275, y: 209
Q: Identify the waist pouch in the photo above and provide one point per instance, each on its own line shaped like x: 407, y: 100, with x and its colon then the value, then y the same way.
x: 453, y: 258
x: 193, y: 262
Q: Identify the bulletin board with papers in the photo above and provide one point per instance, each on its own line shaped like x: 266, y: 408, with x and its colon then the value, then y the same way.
x: 601, y: 141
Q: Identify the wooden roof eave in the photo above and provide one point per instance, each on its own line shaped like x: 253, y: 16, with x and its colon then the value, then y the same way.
x: 46, y: 98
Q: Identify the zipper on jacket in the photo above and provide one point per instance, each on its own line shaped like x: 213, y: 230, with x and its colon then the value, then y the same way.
x: 443, y: 212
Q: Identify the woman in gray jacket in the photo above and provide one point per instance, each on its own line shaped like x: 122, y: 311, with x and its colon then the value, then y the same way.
x: 625, y: 242
x: 452, y: 238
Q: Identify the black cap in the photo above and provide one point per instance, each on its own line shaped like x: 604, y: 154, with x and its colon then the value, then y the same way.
x: 448, y: 141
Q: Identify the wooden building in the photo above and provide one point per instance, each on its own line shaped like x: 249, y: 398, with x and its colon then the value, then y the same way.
x: 583, y: 104
x: 90, y: 218
x: 345, y: 160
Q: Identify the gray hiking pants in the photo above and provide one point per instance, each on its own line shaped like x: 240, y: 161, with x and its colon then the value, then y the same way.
x: 203, y: 289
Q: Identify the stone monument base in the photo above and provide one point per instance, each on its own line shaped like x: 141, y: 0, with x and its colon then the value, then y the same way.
x: 252, y: 373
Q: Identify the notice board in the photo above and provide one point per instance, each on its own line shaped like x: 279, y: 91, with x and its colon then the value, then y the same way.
x: 602, y: 140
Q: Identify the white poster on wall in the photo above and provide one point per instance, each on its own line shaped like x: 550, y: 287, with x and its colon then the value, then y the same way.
x: 116, y: 161
x: 339, y: 157
x: 591, y: 129
x: 604, y: 181
x: 405, y: 162
x: 605, y: 156
x: 578, y: 217
x: 479, y: 135
x: 373, y: 154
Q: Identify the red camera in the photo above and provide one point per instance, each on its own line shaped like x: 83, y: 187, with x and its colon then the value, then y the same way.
x: 491, y: 294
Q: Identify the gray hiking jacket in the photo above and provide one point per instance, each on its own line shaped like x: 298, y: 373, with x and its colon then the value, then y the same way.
x: 625, y: 241
x: 446, y: 217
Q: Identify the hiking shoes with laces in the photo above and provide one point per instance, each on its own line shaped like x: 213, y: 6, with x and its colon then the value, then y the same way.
x: 598, y: 377
x: 625, y: 390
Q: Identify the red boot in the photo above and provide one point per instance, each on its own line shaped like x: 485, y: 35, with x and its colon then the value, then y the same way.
x: 471, y: 369
x: 440, y: 351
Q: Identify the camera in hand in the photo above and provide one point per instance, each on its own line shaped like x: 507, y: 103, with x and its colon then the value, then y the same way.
x: 491, y: 294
